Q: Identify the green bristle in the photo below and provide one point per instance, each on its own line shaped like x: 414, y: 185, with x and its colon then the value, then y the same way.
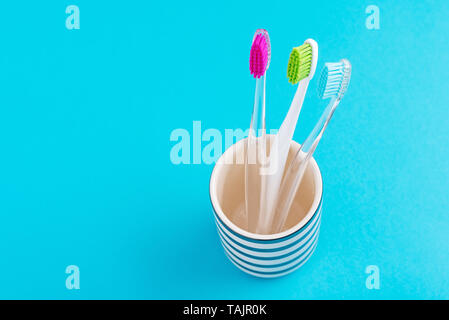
x: 299, y: 63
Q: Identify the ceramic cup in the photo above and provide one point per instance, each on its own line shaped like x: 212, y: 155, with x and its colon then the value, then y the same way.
x: 271, y: 255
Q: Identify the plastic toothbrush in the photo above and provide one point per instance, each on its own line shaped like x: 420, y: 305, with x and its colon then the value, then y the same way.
x: 333, y: 84
x: 256, y: 143
x: 301, y: 69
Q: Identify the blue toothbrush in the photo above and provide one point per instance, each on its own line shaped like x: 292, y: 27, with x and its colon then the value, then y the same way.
x: 333, y: 84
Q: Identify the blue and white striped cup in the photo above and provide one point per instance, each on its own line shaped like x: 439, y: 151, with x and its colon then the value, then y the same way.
x: 272, y: 255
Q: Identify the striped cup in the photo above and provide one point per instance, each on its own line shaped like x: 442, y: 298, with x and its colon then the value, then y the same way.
x: 271, y: 255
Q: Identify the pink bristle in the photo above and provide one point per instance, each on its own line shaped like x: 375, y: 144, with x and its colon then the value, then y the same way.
x: 258, y: 55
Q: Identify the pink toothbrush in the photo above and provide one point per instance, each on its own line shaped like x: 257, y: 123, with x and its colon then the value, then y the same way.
x: 256, y: 143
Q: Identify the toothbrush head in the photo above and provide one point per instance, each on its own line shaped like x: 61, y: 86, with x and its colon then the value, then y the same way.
x: 260, y: 55
x: 334, y: 80
x: 302, y: 62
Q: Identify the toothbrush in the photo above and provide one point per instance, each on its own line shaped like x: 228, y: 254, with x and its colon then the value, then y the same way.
x: 333, y: 84
x: 301, y: 69
x: 259, y: 62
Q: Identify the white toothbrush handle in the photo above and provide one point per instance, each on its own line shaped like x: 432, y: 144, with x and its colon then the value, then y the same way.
x: 288, y: 126
x: 278, y: 157
x: 297, y: 167
x: 255, y: 152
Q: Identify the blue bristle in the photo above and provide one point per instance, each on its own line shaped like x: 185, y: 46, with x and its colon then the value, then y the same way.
x: 334, y: 79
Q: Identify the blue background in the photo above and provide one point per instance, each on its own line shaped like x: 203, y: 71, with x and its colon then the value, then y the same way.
x: 85, y: 170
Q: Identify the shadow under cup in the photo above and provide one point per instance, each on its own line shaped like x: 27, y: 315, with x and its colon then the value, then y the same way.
x: 269, y: 255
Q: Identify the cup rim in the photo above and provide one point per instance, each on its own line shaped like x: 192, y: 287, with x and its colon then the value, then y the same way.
x: 275, y: 236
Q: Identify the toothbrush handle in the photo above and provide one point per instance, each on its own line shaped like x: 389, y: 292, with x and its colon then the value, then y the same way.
x: 288, y: 126
x: 279, y: 153
x: 298, y: 166
x: 278, y: 157
x: 255, y: 151
x: 315, y: 136
x: 257, y: 126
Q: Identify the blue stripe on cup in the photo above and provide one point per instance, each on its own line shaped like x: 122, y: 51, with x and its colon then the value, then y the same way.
x: 269, y: 274
x: 271, y: 258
